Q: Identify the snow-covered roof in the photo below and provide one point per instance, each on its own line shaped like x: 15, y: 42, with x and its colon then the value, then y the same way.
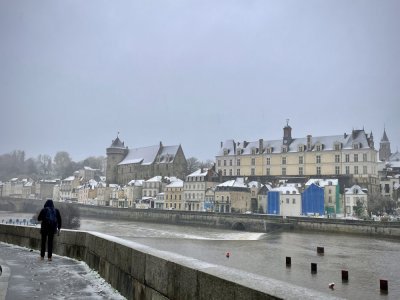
x: 199, y: 173
x: 155, y: 179
x: 322, y: 182
x: 70, y: 178
x: 175, y: 184
x: 89, y: 169
x: 238, y: 182
x: 230, y: 147
x: 255, y: 184
x: 136, y: 182
x: 355, y: 189
x: 148, y: 155
x: 286, y: 190
x: 144, y: 155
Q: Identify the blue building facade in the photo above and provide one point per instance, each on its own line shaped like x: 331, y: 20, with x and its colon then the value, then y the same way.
x: 312, y: 200
x: 273, y: 203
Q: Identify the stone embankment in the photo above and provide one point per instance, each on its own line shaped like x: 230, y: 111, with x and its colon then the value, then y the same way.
x: 141, y: 272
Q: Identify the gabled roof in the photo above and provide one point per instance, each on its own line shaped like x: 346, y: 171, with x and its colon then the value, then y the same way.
x: 355, y: 189
x: 144, y: 155
x: 151, y: 154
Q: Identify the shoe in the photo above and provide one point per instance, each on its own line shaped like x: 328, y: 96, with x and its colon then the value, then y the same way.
x: 41, y: 258
x: 49, y: 259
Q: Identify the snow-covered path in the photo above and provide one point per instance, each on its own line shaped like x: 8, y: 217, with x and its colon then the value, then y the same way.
x: 25, y: 276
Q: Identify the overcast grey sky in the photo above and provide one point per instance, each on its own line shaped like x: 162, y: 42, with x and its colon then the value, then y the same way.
x: 74, y: 73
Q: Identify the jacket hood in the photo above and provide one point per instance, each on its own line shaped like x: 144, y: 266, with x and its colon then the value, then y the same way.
x: 49, y: 203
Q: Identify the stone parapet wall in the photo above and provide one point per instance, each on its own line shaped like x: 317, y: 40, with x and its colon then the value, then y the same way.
x: 141, y: 272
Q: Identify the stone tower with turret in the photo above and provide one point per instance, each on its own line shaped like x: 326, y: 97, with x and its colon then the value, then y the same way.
x: 115, y: 154
x: 384, y: 147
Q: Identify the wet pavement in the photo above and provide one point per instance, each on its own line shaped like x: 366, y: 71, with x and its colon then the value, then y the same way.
x: 25, y: 276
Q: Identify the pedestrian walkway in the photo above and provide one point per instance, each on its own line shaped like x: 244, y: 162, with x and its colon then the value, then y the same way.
x: 25, y: 276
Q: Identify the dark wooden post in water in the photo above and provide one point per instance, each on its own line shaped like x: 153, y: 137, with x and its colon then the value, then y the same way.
x: 320, y: 250
x: 345, y: 275
x: 288, y: 261
x: 384, y: 285
x: 313, y: 268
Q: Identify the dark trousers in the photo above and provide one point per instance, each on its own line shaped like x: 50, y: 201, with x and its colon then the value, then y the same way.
x: 49, y: 237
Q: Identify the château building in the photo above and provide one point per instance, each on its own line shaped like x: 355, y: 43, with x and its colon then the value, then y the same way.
x: 348, y: 157
x: 124, y: 164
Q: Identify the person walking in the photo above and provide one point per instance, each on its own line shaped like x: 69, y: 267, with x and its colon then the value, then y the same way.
x: 51, y: 223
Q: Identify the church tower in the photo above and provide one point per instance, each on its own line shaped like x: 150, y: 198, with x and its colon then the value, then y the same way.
x: 115, y: 154
x: 384, y: 147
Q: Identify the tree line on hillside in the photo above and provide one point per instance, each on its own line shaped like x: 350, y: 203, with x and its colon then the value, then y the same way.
x: 15, y: 164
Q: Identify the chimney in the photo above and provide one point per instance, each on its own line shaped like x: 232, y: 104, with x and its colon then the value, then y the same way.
x: 222, y: 144
x: 309, y: 142
x: 260, y: 146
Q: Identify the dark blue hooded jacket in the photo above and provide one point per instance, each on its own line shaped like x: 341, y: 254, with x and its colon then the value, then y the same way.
x: 45, y: 228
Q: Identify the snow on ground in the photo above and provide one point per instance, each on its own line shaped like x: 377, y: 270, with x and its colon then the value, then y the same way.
x: 63, y: 278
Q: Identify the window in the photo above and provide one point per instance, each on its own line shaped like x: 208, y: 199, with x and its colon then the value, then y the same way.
x: 355, y: 157
x: 253, y: 151
x: 301, y: 148
x: 300, y: 170
x: 330, y: 199
x: 347, y: 170
x: 238, y: 172
x: 294, y: 201
x: 269, y: 150
x: 318, y: 147
x: 365, y: 157
x: 337, y: 147
x: 238, y: 152
x: 283, y: 171
x: 253, y: 161
x: 301, y: 160
x: 337, y: 158
x: 365, y: 170
x: 287, y: 200
x: 283, y: 160
x: 355, y: 169
x: 230, y: 172
x: 268, y: 171
x: 356, y: 146
x: 318, y: 159
x: 347, y: 158
x: 224, y: 162
x: 318, y: 170
x: 253, y: 171
x: 268, y: 160
x: 224, y: 172
x: 284, y: 149
x: 238, y: 162
x: 230, y: 162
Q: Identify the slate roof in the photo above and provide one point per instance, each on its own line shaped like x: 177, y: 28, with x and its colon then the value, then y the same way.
x: 149, y: 155
x: 328, y: 143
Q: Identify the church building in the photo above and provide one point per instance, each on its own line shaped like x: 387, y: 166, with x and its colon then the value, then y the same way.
x: 124, y: 164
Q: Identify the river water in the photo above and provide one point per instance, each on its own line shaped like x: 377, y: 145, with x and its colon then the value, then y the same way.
x: 367, y: 259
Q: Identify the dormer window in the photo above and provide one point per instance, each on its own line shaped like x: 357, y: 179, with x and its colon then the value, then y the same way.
x: 253, y: 151
x: 269, y: 150
x: 337, y: 146
x: 356, y: 146
x: 226, y: 151
x: 301, y: 148
x: 284, y: 149
x: 238, y: 151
